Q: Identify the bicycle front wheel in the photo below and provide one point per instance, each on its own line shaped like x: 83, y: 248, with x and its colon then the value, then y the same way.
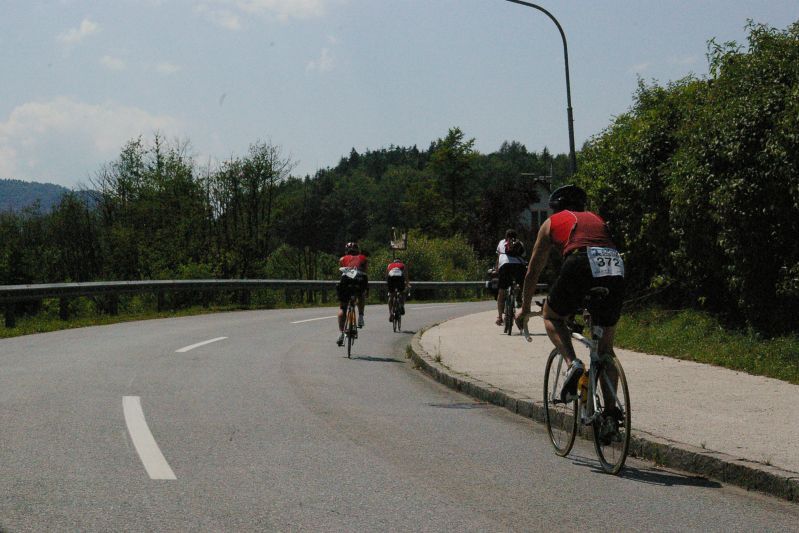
x: 612, y: 427
x: 351, y: 329
x: 561, y: 418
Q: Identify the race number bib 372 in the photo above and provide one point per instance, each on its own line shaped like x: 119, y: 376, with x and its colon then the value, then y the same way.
x: 605, y: 262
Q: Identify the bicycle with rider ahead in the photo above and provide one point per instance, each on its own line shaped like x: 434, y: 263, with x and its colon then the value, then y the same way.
x: 591, y: 264
x: 352, y: 286
x: 511, y: 267
x: 398, y: 283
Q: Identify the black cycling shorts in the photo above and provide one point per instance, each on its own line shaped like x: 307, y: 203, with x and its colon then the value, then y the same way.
x: 510, y: 272
x: 567, y: 293
x: 348, y: 286
x: 395, y: 282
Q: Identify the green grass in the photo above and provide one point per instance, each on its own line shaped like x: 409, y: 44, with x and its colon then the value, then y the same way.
x: 697, y: 336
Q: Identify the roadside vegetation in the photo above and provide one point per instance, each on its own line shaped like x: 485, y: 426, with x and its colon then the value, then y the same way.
x: 698, y: 336
x: 699, y: 181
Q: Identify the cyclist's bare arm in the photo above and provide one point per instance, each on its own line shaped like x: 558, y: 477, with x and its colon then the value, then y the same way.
x: 543, y: 244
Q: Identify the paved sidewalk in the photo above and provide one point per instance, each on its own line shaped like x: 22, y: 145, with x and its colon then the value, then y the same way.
x: 724, y: 424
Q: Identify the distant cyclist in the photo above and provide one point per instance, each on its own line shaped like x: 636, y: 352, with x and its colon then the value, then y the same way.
x: 510, y: 266
x: 354, y: 280
x: 397, y: 279
x: 590, y: 259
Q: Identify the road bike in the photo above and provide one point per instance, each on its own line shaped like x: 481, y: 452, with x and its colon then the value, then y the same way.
x: 602, y: 399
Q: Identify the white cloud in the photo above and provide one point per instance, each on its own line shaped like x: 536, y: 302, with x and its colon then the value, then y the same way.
x: 64, y: 140
x: 683, y: 61
x: 221, y: 17
x: 229, y: 13
x: 76, y: 35
x: 284, y: 9
x: 167, y: 68
x: 112, y: 63
x: 325, y: 63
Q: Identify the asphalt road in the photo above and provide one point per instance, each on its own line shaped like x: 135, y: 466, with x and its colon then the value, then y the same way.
x: 273, y: 428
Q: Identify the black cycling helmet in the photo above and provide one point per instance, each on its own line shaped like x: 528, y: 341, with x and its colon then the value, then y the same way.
x: 568, y: 197
x: 352, y: 248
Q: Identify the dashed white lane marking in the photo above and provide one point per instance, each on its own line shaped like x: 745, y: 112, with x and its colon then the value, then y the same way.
x: 203, y: 343
x: 313, y: 319
x: 149, y: 453
x: 416, y: 307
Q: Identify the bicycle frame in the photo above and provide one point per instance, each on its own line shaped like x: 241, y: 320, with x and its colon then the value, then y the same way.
x: 586, y: 418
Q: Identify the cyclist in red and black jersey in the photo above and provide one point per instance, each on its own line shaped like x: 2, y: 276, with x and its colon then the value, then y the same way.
x: 354, y: 280
x: 590, y: 259
x: 397, y: 278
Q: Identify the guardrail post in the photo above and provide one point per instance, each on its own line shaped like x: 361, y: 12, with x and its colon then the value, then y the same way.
x: 63, y: 308
x: 11, y: 320
x: 160, y: 299
x: 113, y: 305
x: 244, y: 298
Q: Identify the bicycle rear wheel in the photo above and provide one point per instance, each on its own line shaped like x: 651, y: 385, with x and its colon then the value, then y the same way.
x: 612, y: 427
x: 509, y: 312
x: 561, y: 418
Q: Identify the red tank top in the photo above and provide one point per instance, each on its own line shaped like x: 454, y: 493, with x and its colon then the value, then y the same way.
x: 570, y: 230
x: 400, y: 265
x: 358, y: 262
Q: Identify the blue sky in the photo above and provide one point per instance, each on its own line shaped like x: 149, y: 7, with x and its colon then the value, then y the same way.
x: 319, y: 77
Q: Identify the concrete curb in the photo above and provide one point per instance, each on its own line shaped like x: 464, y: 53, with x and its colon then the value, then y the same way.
x: 714, y: 465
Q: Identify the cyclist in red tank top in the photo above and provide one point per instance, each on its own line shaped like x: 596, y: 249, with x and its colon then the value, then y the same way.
x: 571, y: 230
x: 357, y: 284
x: 590, y: 260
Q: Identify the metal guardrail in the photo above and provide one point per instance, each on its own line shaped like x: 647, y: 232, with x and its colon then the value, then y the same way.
x: 10, y: 294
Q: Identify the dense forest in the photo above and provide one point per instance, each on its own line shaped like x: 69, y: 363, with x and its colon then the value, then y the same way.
x: 154, y: 214
x: 699, y: 181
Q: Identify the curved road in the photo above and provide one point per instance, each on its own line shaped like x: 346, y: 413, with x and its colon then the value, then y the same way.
x: 271, y: 427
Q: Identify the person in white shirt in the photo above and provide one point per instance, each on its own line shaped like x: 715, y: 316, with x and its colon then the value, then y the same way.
x: 510, y: 266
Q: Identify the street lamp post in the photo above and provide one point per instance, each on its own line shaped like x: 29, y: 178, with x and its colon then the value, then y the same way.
x: 570, y: 117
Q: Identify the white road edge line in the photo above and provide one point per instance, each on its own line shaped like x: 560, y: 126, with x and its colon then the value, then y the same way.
x: 313, y: 319
x: 149, y: 453
x: 203, y: 343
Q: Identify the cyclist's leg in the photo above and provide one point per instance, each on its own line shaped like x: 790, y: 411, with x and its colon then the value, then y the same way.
x: 605, y: 349
x: 362, y: 294
x: 519, y: 272
x: 559, y: 333
x: 343, y: 299
x: 606, y: 313
x: 565, y: 298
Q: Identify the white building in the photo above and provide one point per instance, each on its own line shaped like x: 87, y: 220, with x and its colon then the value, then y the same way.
x: 536, y: 213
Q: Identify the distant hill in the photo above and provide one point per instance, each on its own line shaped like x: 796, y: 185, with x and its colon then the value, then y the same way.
x: 16, y: 195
